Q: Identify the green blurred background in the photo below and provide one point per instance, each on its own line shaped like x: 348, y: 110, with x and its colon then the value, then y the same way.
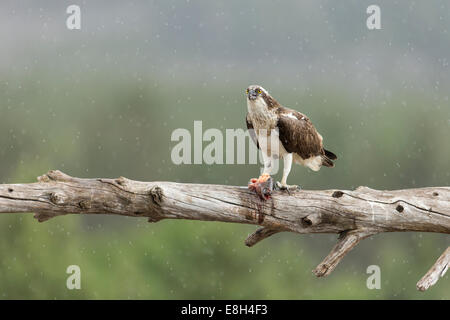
x: 103, y: 101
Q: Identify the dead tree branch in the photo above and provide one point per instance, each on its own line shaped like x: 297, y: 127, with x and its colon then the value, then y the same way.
x: 354, y: 215
x: 437, y: 271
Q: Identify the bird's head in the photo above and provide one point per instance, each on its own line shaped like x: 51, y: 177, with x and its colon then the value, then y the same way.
x: 257, y: 94
x: 254, y: 92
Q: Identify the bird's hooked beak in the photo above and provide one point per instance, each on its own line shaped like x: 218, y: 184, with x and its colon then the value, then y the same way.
x: 252, y: 94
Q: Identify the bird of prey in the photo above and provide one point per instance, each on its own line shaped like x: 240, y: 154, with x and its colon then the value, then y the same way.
x: 284, y: 133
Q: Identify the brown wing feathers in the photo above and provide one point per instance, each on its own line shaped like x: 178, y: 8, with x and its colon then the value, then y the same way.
x: 298, y: 135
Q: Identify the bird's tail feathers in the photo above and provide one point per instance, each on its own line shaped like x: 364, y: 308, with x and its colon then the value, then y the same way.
x: 330, y: 155
x: 327, y: 162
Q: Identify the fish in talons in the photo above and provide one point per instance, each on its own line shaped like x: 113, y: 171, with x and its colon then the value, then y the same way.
x: 262, y: 186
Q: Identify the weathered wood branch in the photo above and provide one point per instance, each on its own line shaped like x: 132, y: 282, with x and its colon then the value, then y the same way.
x: 437, y: 271
x: 354, y: 215
x: 346, y: 242
x: 259, y: 235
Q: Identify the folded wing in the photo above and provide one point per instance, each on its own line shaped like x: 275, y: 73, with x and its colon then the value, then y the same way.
x: 298, y: 135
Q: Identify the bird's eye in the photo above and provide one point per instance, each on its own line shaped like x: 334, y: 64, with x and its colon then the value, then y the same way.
x: 259, y: 91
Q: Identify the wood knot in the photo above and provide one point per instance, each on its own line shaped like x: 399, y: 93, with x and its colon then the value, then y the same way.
x: 311, y: 220
x: 56, y: 198
x: 399, y: 208
x: 156, y: 193
x: 121, y: 181
x: 306, y: 222
x: 10, y: 190
x: 337, y: 194
x: 435, y: 194
x: 85, y: 204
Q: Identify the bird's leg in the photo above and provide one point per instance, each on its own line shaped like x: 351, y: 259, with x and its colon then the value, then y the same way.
x: 287, y: 164
x: 263, y: 185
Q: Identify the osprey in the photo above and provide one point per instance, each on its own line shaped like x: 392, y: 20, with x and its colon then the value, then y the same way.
x: 282, y: 133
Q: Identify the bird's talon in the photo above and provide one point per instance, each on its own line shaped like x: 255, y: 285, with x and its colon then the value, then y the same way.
x: 285, y: 187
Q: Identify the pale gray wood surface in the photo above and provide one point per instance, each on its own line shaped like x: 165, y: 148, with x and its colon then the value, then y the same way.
x: 354, y: 215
